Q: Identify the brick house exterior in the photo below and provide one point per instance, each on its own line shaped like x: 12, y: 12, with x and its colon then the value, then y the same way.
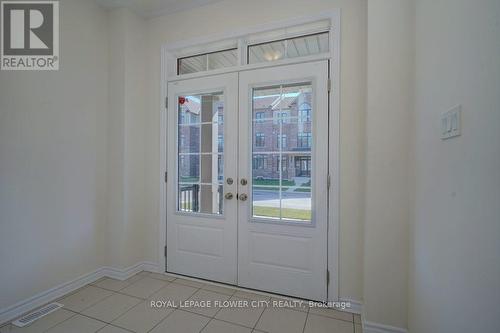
x: 291, y: 113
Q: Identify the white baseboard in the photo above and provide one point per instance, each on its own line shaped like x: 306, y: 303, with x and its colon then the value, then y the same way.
x: 371, y: 327
x: 11, y: 312
x: 123, y: 274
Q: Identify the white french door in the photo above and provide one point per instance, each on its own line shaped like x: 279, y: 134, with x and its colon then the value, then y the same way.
x: 283, y: 154
x: 247, y: 202
x: 201, y: 162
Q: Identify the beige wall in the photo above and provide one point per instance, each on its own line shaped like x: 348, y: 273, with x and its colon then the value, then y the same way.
x: 53, y: 161
x: 388, y: 179
x: 227, y: 15
x: 126, y: 234
x: 455, y: 267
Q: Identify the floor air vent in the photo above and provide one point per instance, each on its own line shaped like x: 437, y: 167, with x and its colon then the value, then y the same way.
x: 31, y: 317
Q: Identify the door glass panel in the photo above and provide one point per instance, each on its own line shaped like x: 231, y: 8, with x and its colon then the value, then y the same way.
x: 281, y: 152
x: 200, y: 153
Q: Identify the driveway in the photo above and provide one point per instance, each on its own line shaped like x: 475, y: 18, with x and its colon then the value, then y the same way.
x: 295, y: 200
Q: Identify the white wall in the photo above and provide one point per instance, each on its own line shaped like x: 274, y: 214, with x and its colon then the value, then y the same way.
x: 455, y: 236
x: 388, y: 131
x: 53, y: 161
x: 228, y: 15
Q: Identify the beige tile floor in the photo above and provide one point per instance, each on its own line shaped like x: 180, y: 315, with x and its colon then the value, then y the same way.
x: 112, y: 306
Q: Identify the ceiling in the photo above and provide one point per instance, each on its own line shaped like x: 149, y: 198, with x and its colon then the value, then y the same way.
x: 150, y: 8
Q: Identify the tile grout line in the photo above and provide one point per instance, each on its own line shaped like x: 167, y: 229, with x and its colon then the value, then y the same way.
x: 140, y: 298
x: 51, y: 327
x: 208, y: 322
x: 305, y: 322
x: 325, y: 316
x: 91, y: 305
x: 255, y: 325
x: 175, y: 308
x: 97, y: 319
x: 216, y: 312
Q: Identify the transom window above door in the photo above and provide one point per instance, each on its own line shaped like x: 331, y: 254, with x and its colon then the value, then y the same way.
x: 296, y: 42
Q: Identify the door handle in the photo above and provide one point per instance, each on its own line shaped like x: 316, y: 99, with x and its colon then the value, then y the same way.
x: 243, y: 197
x: 228, y: 196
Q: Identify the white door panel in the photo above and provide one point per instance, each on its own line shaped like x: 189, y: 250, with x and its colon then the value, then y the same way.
x: 283, y: 149
x: 201, y: 224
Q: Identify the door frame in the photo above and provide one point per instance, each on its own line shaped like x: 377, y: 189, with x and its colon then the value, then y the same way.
x: 169, y: 53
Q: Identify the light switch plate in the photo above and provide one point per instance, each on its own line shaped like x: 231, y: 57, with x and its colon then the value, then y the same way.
x: 451, y: 123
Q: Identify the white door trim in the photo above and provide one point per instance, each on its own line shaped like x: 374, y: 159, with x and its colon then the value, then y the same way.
x: 168, y: 60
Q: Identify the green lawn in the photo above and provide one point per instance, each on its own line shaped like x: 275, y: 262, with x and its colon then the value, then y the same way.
x: 301, y: 189
x: 288, y: 213
x: 189, y: 179
x: 273, y: 182
x: 268, y: 184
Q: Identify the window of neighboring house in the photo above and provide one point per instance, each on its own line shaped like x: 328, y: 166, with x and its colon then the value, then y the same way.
x: 284, y: 116
x: 283, y: 140
x: 284, y: 163
x: 303, y: 166
x: 305, y: 113
x: 260, y: 140
x: 304, y: 140
x: 259, y: 162
x: 259, y: 117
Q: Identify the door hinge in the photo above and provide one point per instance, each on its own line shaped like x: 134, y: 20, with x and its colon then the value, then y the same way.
x: 166, y: 102
x: 327, y: 276
x: 165, y: 251
x: 328, y: 181
x: 329, y: 85
x: 166, y: 174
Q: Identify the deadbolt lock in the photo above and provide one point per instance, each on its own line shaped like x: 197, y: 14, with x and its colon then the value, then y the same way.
x: 229, y: 181
x: 243, y: 181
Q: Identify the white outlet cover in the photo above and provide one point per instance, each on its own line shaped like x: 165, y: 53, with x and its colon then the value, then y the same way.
x: 451, y: 123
